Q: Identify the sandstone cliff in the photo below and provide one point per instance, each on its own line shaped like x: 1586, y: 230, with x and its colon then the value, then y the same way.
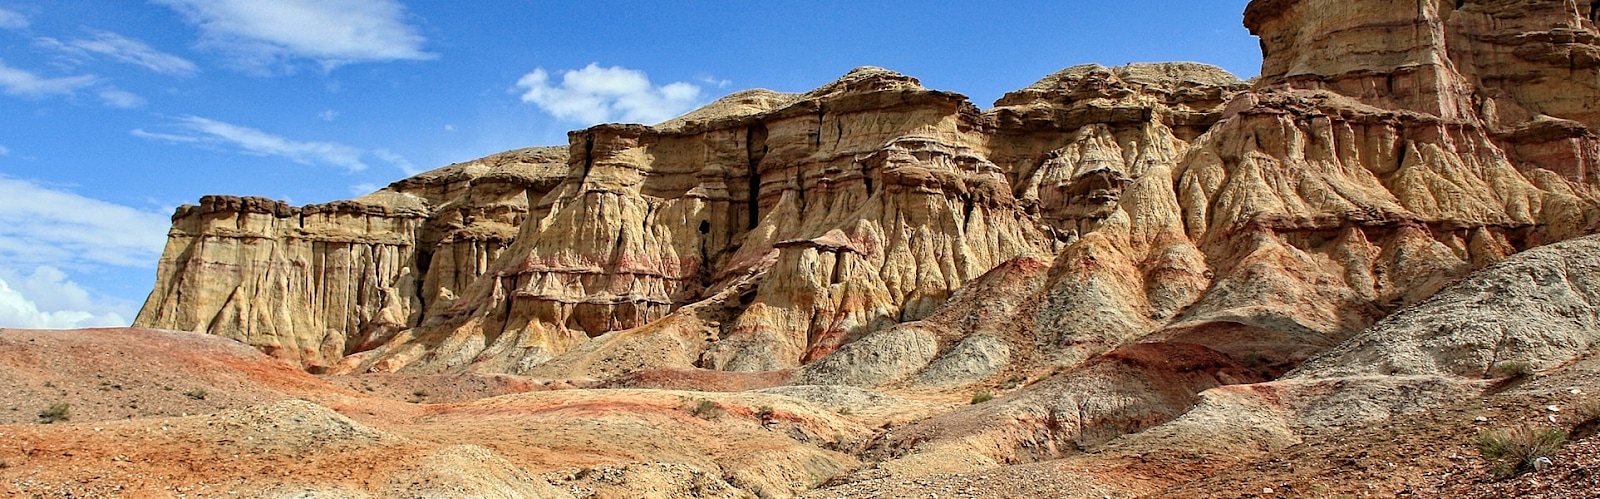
x: 313, y: 284
x: 1172, y: 282
x: 877, y: 233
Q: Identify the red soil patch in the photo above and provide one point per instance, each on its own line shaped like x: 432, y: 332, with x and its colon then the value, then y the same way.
x: 704, y: 380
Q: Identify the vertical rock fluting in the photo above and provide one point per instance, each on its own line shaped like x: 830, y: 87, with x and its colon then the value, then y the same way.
x: 303, y: 284
x: 1387, y: 150
x: 1383, y: 153
x: 870, y: 206
x: 313, y: 284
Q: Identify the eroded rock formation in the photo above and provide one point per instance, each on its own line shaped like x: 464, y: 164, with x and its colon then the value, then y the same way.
x: 877, y: 233
x: 313, y: 284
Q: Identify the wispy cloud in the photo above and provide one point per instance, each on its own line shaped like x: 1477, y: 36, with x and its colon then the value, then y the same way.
x: 714, y: 81
x: 4, y: 151
x: 126, y: 50
x: 328, y: 115
x: 45, y: 232
x: 397, y: 160
x: 19, y: 82
x: 362, y: 189
x: 331, y: 32
x: 256, y: 142
x: 10, y: 19
x: 597, y: 95
x: 121, y: 99
x: 41, y: 225
x: 165, y: 137
x: 200, y: 131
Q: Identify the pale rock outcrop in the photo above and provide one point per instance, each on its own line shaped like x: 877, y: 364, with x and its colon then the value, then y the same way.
x: 1536, y: 307
x: 876, y: 233
x: 306, y: 285
x: 313, y: 284
x: 1363, y: 172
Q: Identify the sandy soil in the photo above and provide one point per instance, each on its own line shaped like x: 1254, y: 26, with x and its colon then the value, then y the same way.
x: 264, y: 429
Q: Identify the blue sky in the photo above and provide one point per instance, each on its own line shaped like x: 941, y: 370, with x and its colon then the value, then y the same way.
x: 114, y: 113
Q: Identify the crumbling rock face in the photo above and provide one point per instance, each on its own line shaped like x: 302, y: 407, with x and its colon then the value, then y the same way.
x: 313, y: 284
x: 873, y: 232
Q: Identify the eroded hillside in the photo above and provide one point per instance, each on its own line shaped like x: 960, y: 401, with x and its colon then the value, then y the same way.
x: 1137, y: 259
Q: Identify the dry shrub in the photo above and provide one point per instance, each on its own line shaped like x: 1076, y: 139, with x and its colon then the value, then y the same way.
x: 56, y: 412
x: 1513, y: 451
x: 981, y: 397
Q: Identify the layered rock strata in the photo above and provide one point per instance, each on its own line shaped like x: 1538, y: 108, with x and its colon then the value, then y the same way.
x: 313, y: 284
x: 1364, y: 171
x: 877, y: 233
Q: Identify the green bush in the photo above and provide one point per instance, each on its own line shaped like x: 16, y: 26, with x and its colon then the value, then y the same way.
x: 706, y: 409
x: 56, y: 412
x: 1512, y: 452
x: 1013, y: 382
x: 981, y: 397
x: 1514, y: 369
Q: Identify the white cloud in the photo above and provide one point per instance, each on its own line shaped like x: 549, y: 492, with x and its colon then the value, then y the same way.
x: 44, y: 226
x: 126, y: 50
x: 328, y: 115
x: 597, y: 95
x: 362, y: 189
x: 331, y: 32
x: 165, y: 137
x: 19, y: 82
x: 121, y: 99
x: 5, y: 151
x: 712, y: 80
x: 47, y: 298
x: 10, y: 19
x: 47, y: 229
x: 18, y: 310
x: 397, y: 160
x: 256, y: 142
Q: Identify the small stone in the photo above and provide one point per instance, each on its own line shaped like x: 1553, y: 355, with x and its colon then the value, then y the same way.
x: 1266, y: 490
x: 1481, y: 419
x: 1541, y: 463
x: 1552, y: 408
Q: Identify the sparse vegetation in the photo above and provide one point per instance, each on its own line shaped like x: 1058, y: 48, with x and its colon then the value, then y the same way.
x: 197, y: 394
x: 764, y: 412
x: 1586, y: 412
x: 1013, y: 382
x: 58, y: 411
x: 845, y: 411
x: 982, y: 396
x: 420, y: 393
x: 1514, y: 369
x: 1513, y: 451
x: 705, y: 409
x: 1585, y: 421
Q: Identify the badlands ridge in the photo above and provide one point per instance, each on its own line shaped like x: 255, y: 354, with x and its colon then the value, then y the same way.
x: 1172, y: 282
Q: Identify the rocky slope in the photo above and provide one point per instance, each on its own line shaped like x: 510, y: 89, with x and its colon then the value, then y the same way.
x: 1382, y: 153
x: 1153, y: 266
